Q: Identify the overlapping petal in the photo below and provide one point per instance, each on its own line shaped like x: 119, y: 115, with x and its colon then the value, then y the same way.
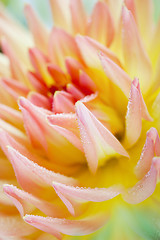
x: 79, y: 106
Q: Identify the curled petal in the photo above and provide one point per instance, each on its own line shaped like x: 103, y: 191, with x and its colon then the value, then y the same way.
x: 68, y: 193
x: 31, y: 176
x: 3, y: 198
x: 133, y: 117
x: 143, y: 189
x: 65, y: 226
x: 145, y: 161
x: 151, y: 148
x: 18, y: 201
x: 136, y: 110
x: 69, y: 203
x: 144, y: 110
x: 136, y: 59
x: 98, y: 141
x: 26, y: 202
x: 153, y: 134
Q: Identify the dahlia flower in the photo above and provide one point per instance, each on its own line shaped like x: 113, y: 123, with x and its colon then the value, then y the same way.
x: 80, y: 123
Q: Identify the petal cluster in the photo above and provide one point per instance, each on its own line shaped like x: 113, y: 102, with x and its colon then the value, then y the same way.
x: 79, y: 120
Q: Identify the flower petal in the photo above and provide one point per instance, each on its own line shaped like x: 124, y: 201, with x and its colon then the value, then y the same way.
x: 17, y: 134
x: 42, y: 135
x: 136, y: 59
x: 58, y: 75
x: 61, y: 14
x: 6, y: 170
x: 78, y: 16
x: 143, y: 189
x: 37, y: 82
x: 10, y: 114
x: 70, y: 136
x: 31, y: 176
x: 102, y: 31
x: 3, y: 198
x: 63, y: 102
x: 145, y: 161
x: 69, y: 193
x: 14, y: 88
x: 130, y: 4
x: 65, y: 226
x: 136, y: 109
x: 90, y: 48
x: 116, y: 74
x: 145, y: 19
x: 86, y: 83
x: 39, y: 62
x: 67, y: 120
x: 156, y: 163
x: 98, y: 141
x: 18, y: 69
x: 115, y: 9
x: 7, y: 140
x: 40, y: 100
x: 74, y: 91
x: 4, y: 66
x: 31, y: 120
x: 26, y: 202
x: 37, y: 28
x: 62, y: 45
x: 17, y: 37
x: 11, y: 226
x: 151, y: 148
x: 73, y: 67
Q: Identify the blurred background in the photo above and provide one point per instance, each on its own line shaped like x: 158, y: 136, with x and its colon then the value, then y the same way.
x: 42, y: 7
